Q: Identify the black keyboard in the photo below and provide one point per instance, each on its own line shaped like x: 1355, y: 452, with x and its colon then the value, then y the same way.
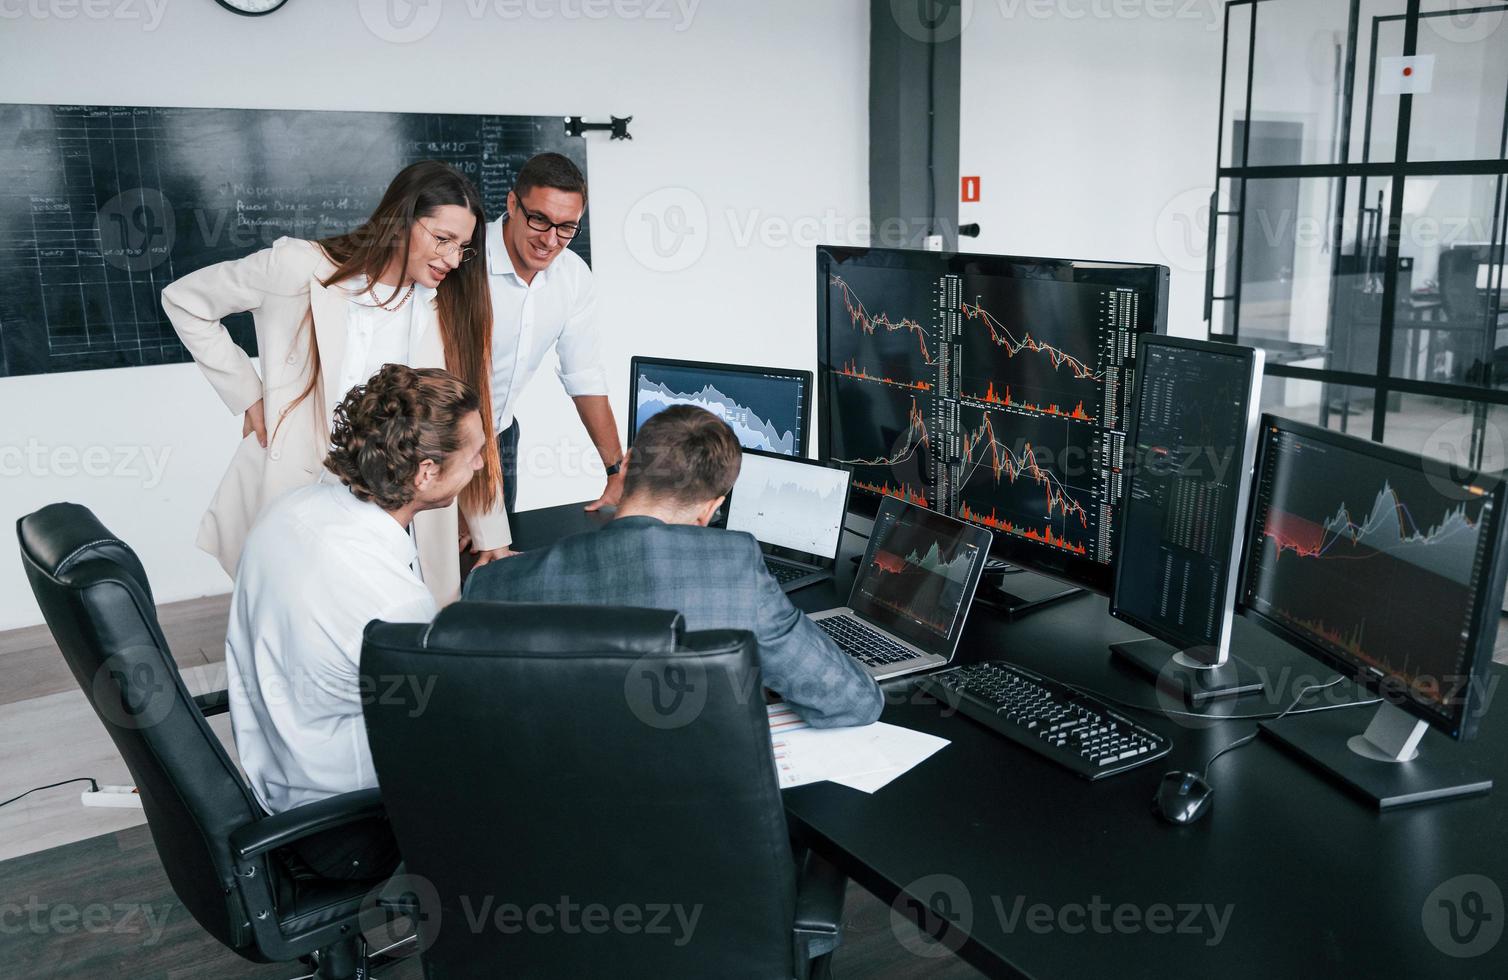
x: 785, y: 573
x: 864, y: 643
x: 1074, y: 730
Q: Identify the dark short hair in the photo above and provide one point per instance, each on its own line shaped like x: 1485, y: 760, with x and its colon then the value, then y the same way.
x: 385, y: 428
x: 684, y: 454
x: 550, y: 170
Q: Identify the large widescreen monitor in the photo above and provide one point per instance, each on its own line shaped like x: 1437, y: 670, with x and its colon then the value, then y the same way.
x: 986, y: 387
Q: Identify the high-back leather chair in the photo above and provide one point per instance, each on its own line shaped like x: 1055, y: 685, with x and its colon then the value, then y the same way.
x: 589, y: 792
x: 221, y: 852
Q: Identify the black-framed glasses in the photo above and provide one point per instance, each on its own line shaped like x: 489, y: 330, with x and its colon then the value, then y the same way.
x: 566, y: 230
x: 447, y: 246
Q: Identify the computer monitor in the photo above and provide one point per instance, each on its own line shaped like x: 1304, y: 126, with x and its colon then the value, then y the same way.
x: 1191, y: 448
x: 768, y: 408
x: 987, y: 387
x: 1388, y: 568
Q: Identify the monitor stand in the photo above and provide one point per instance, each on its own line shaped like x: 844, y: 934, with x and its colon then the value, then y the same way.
x: 1196, y: 682
x: 1383, y: 764
x: 1016, y: 593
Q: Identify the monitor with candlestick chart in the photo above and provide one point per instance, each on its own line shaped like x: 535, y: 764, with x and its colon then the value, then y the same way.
x: 990, y: 388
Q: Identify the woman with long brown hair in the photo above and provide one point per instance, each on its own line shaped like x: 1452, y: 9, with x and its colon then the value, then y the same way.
x: 408, y: 286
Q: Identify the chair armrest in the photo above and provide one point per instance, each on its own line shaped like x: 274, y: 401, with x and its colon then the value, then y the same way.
x: 213, y: 703
x: 282, y: 829
x: 820, y: 888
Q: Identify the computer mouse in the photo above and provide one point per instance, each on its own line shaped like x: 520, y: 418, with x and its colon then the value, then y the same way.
x: 1183, y: 797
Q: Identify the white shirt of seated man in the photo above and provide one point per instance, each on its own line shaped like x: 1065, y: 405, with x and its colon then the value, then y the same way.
x: 318, y: 566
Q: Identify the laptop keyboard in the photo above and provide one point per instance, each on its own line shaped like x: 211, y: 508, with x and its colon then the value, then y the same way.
x: 785, y: 573
x: 865, y: 643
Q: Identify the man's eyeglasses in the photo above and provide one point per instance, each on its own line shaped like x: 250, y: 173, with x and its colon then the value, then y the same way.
x: 447, y: 246
x: 566, y: 230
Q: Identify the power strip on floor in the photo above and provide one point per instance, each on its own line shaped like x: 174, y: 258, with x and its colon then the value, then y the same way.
x: 117, y: 796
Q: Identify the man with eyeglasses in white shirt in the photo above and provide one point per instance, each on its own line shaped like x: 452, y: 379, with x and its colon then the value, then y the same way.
x: 542, y: 297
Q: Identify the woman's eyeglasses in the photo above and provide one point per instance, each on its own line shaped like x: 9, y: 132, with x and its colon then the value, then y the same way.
x: 447, y: 246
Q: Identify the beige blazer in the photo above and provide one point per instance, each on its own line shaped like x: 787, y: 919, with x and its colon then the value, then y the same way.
x: 281, y: 288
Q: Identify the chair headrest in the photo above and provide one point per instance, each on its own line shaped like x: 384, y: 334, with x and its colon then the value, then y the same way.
x: 524, y: 627
x: 61, y: 536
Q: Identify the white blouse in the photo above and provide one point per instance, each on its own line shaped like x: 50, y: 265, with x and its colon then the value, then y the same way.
x: 376, y: 335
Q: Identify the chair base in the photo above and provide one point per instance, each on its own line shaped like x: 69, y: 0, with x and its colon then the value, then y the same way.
x: 351, y: 960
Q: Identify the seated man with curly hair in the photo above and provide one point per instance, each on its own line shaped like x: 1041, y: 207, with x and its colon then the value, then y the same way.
x: 321, y: 563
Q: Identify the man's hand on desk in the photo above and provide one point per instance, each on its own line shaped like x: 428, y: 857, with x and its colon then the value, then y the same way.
x: 611, y: 495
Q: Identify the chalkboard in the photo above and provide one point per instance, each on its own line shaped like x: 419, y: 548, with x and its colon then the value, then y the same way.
x: 102, y: 206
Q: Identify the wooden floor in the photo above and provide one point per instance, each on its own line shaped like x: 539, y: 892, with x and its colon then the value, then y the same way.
x: 48, y: 732
x: 102, y: 908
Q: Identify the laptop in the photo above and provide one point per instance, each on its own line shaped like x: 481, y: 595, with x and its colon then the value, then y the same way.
x: 794, y: 508
x: 911, y: 593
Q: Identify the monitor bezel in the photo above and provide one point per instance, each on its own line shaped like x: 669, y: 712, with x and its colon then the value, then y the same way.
x: 1149, y: 279
x: 1255, y: 360
x: 1461, y: 723
x: 805, y: 377
x: 778, y: 551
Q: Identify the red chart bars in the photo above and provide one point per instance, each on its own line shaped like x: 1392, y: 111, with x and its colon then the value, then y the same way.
x: 997, y: 398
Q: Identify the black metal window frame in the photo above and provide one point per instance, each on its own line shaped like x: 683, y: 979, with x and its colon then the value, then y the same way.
x: 1397, y: 172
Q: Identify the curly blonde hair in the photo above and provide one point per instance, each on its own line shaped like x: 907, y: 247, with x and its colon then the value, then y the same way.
x: 385, y: 428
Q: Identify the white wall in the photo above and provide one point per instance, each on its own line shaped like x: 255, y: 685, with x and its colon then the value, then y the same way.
x: 1092, y: 126
x: 750, y: 142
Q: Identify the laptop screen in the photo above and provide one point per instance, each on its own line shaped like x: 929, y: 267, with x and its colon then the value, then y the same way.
x: 918, y: 575
x: 795, y: 505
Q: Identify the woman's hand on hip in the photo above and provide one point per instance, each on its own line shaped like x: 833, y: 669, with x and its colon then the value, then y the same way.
x: 255, y: 421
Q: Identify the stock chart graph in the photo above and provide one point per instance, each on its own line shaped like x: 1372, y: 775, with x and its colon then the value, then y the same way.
x: 990, y: 388
x: 919, y: 576
x: 1351, y: 550
x: 884, y: 329
x: 789, y: 503
x: 764, y: 411
x: 1031, y: 346
x: 885, y: 436
x: 1012, y: 478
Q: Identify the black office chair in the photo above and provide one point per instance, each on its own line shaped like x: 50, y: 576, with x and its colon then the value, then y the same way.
x: 221, y: 852
x: 590, y: 757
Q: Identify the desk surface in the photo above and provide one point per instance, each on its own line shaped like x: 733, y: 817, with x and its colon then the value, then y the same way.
x: 1045, y: 874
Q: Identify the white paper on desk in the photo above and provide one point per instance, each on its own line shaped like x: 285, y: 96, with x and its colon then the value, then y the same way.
x: 864, y: 758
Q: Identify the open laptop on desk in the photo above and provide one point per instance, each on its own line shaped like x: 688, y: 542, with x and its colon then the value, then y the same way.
x: 794, y: 508
x: 911, y: 593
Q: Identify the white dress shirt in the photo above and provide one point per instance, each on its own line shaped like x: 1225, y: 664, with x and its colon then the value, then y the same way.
x: 317, y: 567
x: 557, y: 309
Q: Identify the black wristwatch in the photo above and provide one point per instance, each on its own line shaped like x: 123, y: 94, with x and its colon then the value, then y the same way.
x: 615, y: 469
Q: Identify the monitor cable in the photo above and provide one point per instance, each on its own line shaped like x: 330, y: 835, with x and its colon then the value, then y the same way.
x: 1204, y: 770
x: 1264, y: 716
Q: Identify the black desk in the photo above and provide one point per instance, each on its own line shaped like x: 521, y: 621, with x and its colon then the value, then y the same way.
x: 1315, y: 882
